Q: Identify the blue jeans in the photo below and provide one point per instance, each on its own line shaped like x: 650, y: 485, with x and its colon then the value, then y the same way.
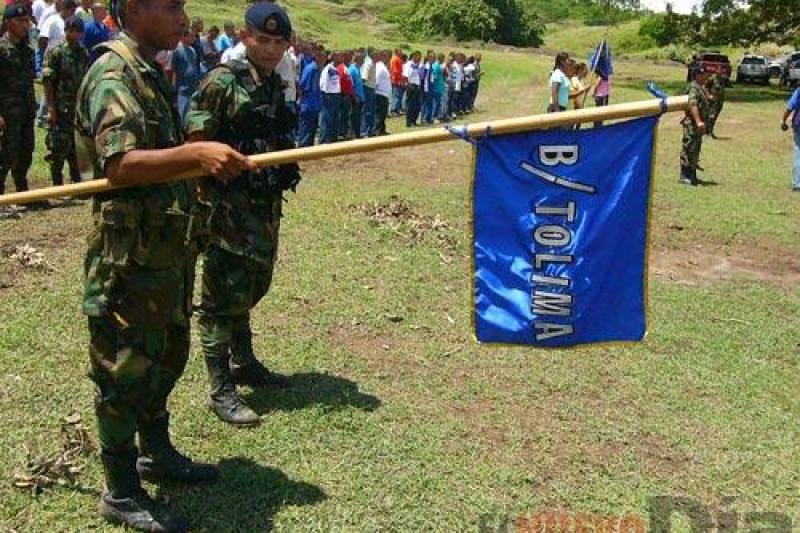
x: 368, y: 113
x: 309, y: 120
x: 796, y: 182
x: 329, y: 118
x: 443, y: 107
x: 398, y: 91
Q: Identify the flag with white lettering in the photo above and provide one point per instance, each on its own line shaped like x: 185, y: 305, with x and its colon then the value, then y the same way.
x: 560, y: 221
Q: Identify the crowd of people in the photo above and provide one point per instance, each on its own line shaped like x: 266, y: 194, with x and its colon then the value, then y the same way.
x: 331, y: 95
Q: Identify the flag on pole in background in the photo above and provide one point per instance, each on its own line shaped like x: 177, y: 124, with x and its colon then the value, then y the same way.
x: 601, y: 60
x: 560, y: 221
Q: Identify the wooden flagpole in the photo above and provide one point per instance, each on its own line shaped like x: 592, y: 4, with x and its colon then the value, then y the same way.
x: 399, y: 140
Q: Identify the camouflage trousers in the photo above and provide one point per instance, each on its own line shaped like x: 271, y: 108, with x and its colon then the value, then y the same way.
x: 60, y: 143
x: 16, y: 147
x: 691, y: 144
x: 134, y: 369
x: 232, y: 286
x: 715, y: 110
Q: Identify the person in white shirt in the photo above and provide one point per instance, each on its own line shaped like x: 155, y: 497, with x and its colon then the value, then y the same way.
x: 84, y: 10
x: 383, y: 91
x: 287, y: 70
x: 559, y: 84
x: 413, y: 80
x: 41, y: 10
x: 456, y: 80
x: 331, y: 86
x: 236, y: 52
x: 368, y: 107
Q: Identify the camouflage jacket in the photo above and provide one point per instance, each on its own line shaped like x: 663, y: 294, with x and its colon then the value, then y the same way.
x: 16, y: 76
x: 699, y: 97
x: 234, y: 105
x: 63, y: 69
x: 140, y: 249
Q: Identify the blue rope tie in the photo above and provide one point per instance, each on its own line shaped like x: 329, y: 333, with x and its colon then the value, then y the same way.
x: 462, y: 133
x: 658, y: 93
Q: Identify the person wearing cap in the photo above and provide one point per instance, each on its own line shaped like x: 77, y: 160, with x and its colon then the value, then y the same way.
x: 139, y: 266
x: 694, y: 127
x: 241, y: 104
x: 62, y: 73
x: 17, y: 100
x: 95, y: 31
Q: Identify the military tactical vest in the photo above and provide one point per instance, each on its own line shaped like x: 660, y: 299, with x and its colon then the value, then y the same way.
x: 260, y: 125
x: 143, y: 241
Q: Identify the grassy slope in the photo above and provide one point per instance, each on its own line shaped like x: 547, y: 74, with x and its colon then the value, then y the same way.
x: 411, y: 426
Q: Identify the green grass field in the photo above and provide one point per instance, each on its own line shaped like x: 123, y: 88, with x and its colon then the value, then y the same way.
x: 397, y: 420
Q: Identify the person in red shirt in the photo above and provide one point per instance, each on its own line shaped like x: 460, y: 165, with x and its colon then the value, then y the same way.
x: 398, y: 82
x: 347, y: 94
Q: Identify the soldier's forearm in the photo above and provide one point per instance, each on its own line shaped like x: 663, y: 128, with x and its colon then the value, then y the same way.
x: 143, y: 167
x: 786, y: 114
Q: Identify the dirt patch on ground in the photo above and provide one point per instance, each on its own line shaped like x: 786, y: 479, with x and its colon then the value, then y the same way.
x: 705, y: 264
x: 401, y: 217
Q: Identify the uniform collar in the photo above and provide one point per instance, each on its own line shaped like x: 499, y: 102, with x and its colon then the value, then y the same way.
x: 257, y: 77
x: 128, y: 40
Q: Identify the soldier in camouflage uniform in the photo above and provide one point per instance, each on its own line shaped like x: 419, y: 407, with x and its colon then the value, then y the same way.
x: 716, y: 91
x: 62, y: 73
x: 140, y: 262
x: 694, y: 127
x: 17, y: 100
x: 241, y: 104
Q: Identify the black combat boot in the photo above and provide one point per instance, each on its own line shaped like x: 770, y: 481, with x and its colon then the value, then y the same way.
x: 245, y: 368
x: 160, y: 461
x: 57, y: 177
x: 125, y: 502
x: 688, y: 175
x: 224, y: 400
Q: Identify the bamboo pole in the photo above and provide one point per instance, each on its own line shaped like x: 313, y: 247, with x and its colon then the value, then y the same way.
x: 399, y: 140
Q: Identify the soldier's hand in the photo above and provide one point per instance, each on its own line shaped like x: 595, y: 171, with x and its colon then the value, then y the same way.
x: 701, y: 127
x: 52, y: 118
x: 2, y: 124
x: 784, y: 126
x: 221, y: 161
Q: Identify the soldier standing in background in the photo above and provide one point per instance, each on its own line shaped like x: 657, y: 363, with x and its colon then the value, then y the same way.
x: 694, y: 127
x: 62, y: 73
x: 241, y: 104
x: 139, y: 265
x: 17, y: 100
x: 716, y: 91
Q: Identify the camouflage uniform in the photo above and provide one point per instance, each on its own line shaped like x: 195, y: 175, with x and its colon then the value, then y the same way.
x: 716, y: 88
x: 64, y: 68
x: 139, y: 265
x: 235, y: 106
x: 692, y: 138
x: 17, y: 107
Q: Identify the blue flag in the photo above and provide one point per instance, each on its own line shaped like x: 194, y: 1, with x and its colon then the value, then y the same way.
x: 601, y: 60
x: 560, y: 222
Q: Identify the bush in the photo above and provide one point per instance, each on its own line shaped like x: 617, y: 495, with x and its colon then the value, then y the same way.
x: 504, y: 21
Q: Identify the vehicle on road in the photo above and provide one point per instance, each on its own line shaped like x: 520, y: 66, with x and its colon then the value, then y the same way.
x: 716, y: 63
x: 753, y: 68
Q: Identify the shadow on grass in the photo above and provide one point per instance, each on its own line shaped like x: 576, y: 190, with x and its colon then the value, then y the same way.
x: 311, y: 388
x: 245, y: 498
